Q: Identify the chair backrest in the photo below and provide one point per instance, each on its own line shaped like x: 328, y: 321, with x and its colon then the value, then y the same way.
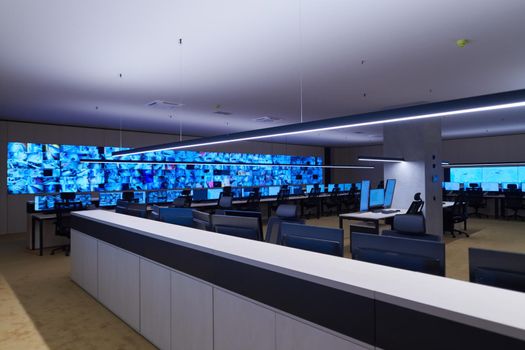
x: 497, y: 269
x: 121, y: 207
x: 410, y: 224
x: 155, y: 212
x: 246, y: 213
x: 513, y: 198
x: 254, y: 198
x: 314, y: 192
x: 238, y: 226
x: 181, y: 202
x: 177, y: 216
x: 326, y: 240
x: 283, y: 195
x: 404, y: 253
x: 128, y: 196
x: 284, y: 213
x: 335, y: 192
x: 63, y: 212
x: 202, y: 220
x: 136, y: 209
x: 416, y: 207
x: 225, y: 202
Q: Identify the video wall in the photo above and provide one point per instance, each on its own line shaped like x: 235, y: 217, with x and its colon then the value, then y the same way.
x: 52, y: 168
x: 499, y: 174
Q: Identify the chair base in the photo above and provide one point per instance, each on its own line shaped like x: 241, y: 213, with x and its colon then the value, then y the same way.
x: 478, y: 215
x: 459, y: 232
x: 65, y: 248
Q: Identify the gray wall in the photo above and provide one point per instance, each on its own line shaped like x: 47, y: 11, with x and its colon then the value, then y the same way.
x: 13, y: 207
x: 348, y: 155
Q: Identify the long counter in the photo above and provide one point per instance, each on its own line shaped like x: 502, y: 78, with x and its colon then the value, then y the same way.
x: 231, y: 293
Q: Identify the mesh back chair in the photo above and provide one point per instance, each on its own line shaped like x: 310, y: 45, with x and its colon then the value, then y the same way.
x: 410, y: 226
x: 138, y: 210
x: 350, y: 201
x: 282, y: 198
x: 155, y: 212
x: 177, y: 216
x: 181, y: 202
x: 334, y: 201
x: 246, y: 213
x: 284, y: 213
x: 514, y: 202
x: 313, y: 201
x: 201, y: 220
x: 253, y: 201
x: 476, y: 200
x: 225, y: 202
x: 326, y: 240
x: 455, y: 215
x: 497, y: 269
x: 238, y: 226
x: 63, y: 222
x: 417, y: 205
x: 122, y: 206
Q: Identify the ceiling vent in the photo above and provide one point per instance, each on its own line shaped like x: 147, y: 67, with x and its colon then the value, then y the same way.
x: 267, y: 119
x: 222, y: 113
x: 166, y: 105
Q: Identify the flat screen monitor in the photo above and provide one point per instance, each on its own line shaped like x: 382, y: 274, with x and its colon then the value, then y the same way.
x: 365, y: 193
x: 309, y: 188
x: 451, y: 186
x: 246, y: 191
x: 171, y: 195
x: 214, y: 193
x: 236, y: 192
x: 377, y: 198
x: 389, y: 192
x: 157, y: 197
x: 358, y: 186
x: 523, y: 186
x: 46, y: 202
x: 332, y: 186
x: 490, y: 186
x: 200, y: 194
x: 346, y: 187
x: 109, y: 199
x: 140, y: 196
x: 85, y: 199
x: 273, y: 190
x: 297, y: 190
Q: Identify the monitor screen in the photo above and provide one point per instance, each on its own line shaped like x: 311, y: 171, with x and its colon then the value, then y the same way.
x: 236, y: 192
x: 200, y: 194
x: 389, y: 192
x: 332, y: 186
x: 346, y: 187
x: 214, y: 193
x: 297, y: 190
x: 273, y: 190
x: 171, y: 195
x: 523, y: 186
x: 246, y: 191
x: 377, y: 197
x: 140, y: 196
x: 452, y: 186
x: 157, y: 197
x: 365, y: 192
x: 358, y: 186
x: 85, y: 199
x: 490, y: 186
x: 109, y: 199
x: 46, y: 202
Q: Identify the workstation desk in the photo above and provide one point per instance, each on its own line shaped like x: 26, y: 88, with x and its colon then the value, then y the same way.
x: 183, y: 288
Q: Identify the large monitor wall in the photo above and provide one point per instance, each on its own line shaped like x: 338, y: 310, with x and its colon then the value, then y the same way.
x: 51, y: 168
x: 500, y: 174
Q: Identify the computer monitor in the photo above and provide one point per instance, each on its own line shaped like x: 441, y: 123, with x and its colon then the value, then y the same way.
x: 237, y: 192
x: 200, y: 194
x: 451, y: 186
x: 523, y: 186
x: 109, y: 199
x: 346, y: 187
x: 297, y: 190
x: 377, y: 198
x: 358, y: 186
x: 365, y: 194
x: 273, y: 190
x: 85, y: 199
x: 46, y: 202
x: 67, y: 196
x: 490, y: 186
x: 332, y: 186
x: 140, y: 197
x: 389, y: 192
x: 246, y: 191
x: 214, y: 193
x: 157, y: 197
x: 171, y: 195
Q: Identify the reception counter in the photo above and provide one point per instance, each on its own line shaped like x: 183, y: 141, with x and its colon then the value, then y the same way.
x: 184, y: 288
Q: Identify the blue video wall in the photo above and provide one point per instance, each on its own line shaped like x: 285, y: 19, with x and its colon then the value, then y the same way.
x: 500, y: 174
x: 52, y: 168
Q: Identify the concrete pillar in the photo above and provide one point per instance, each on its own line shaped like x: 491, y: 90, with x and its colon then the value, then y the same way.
x: 419, y: 143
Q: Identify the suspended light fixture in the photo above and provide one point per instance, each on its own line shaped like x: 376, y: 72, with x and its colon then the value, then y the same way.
x: 380, y: 159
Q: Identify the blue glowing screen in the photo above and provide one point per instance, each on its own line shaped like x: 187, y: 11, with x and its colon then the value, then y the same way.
x: 494, y: 174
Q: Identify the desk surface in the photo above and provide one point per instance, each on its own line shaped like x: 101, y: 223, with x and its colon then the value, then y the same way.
x: 485, y: 307
x: 370, y: 215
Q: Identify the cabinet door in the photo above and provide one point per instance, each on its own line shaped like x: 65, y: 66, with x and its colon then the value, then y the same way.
x: 191, y: 314
x: 240, y: 324
x: 84, y: 262
x: 118, y: 283
x: 293, y: 334
x: 155, y: 303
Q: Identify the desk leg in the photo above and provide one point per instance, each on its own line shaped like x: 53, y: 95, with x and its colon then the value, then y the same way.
x: 33, y: 233
x: 496, y: 208
x: 376, y: 226
x: 340, y: 222
x: 41, y: 234
x: 318, y: 209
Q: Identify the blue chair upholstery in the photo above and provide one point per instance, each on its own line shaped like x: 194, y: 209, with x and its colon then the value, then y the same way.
x: 239, y: 226
x: 410, y: 226
x: 325, y: 240
x: 177, y: 216
x: 404, y: 253
x: 497, y: 269
x: 284, y: 213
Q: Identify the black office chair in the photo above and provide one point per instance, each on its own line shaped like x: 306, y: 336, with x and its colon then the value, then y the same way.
x: 225, y: 202
x: 416, y: 207
x: 284, y: 213
x: 201, y: 220
x: 253, y: 203
x: 514, y: 202
x: 63, y: 222
x: 136, y: 209
x: 325, y: 240
x: 475, y: 199
x: 181, y: 202
x: 333, y: 202
x: 312, y: 201
x: 129, y: 196
x: 410, y: 226
x: 455, y: 215
x: 246, y: 213
x: 282, y: 198
x: 155, y: 213
x: 350, y: 201
x: 122, y: 206
x: 497, y: 269
x: 238, y: 226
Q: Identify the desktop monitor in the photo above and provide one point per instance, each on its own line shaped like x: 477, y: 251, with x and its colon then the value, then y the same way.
x: 214, y: 193
x: 236, y: 192
x: 365, y: 193
x: 310, y: 187
x: 332, y: 186
x: 200, y: 194
x: 109, y: 199
x: 46, y: 202
x: 85, y: 199
x: 346, y: 187
x: 171, y: 195
x: 297, y: 190
x: 389, y: 192
x: 451, y: 186
x: 140, y: 197
x: 377, y: 198
x: 273, y: 190
x: 523, y: 186
x: 490, y: 186
x: 246, y: 191
x: 157, y: 197
x: 358, y: 186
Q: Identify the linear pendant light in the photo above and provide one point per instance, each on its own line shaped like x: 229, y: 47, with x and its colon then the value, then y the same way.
x: 381, y: 159
x: 110, y: 161
x: 460, y: 107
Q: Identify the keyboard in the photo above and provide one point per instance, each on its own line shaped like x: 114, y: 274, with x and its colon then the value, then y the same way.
x: 389, y: 211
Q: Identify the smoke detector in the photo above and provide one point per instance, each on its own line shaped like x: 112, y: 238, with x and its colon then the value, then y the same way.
x: 166, y: 105
x: 266, y: 119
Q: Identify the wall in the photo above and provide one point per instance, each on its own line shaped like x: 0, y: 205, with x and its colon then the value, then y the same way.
x: 13, y: 207
x: 349, y: 155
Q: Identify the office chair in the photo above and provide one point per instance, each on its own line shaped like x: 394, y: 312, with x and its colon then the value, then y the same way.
x: 177, y: 216
x: 155, y: 212
x: 475, y: 199
x: 182, y: 202
x: 129, y: 196
x: 201, y: 220
x: 63, y: 222
x: 67, y: 197
x: 238, y: 226
x: 225, y: 201
x: 282, y: 198
x: 350, y: 201
x: 417, y: 205
x: 497, y: 269
x: 514, y: 202
x: 325, y: 240
x: 455, y: 215
x: 121, y: 207
x: 334, y: 201
x: 381, y: 184
x: 284, y: 213
x: 312, y: 201
x: 253, y: 201
x: 410, y: 226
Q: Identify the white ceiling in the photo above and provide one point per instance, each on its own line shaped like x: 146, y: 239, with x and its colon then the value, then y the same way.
x: 61, y: 60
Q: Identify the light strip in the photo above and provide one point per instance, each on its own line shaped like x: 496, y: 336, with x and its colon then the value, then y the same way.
x: 379, y: 120
x: 103, y: 161
x: 381, y: 159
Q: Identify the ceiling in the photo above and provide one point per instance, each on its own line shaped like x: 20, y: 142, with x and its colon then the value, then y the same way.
x: 100, y: 63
